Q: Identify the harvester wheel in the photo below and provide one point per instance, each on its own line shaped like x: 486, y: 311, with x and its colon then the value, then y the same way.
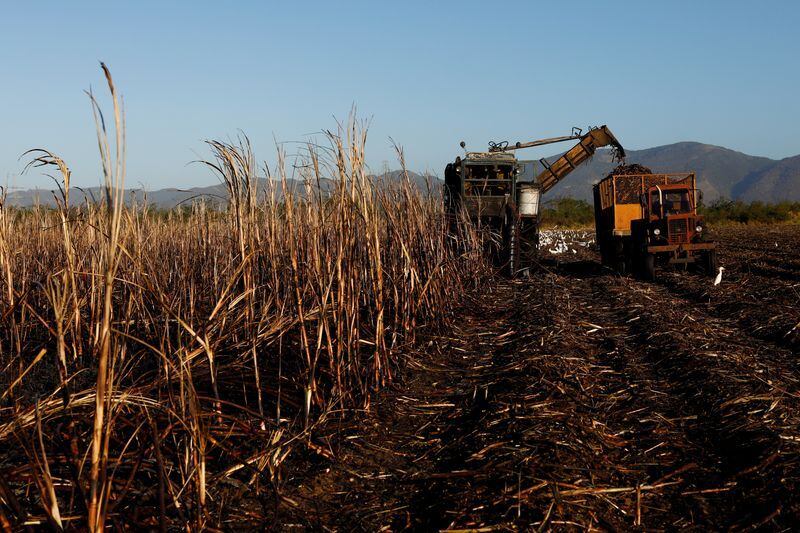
x: 511, y: 247
x: 528, y: 243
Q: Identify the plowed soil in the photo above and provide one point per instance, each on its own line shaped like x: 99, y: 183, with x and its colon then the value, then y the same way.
x: 578, y: 399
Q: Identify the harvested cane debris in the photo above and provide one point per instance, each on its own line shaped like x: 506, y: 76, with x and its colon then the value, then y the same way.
x: 579, y: 399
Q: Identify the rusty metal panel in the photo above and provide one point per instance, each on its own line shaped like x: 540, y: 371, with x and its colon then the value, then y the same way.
x: 678, y: 230
x: 630, y: 187
x: 685, y: 247
x: 627, y: 189
x: 623, y: 215
x: 606, y: 193
x: 487, y: 206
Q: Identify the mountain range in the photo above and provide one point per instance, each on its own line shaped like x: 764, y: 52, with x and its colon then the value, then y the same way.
x: 721, y: 173
x: 169, y: 198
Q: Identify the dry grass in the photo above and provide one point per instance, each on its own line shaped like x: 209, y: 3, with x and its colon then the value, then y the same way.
x: 160, y: 370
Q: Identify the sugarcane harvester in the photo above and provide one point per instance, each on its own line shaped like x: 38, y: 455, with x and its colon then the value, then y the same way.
x: 501, y: 193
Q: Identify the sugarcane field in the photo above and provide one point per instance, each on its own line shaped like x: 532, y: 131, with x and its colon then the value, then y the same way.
x: 354, y: 267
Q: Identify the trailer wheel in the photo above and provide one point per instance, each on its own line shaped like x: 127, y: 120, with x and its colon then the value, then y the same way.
x: 711, y: 263
x: 604, y: 256
x: 621, y: 254
x: 648, y: 267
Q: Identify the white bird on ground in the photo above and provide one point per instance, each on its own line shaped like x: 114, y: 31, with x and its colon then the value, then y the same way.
x: 718, y: 279
x: 561, y: 247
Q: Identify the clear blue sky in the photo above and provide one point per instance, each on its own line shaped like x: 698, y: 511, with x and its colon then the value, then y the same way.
x: 428, y: 74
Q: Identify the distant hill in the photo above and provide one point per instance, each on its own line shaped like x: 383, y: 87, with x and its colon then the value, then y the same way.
x: 780, y: 181
x: 171, y: 197
x: 165, y: 198
x: 721, y: 172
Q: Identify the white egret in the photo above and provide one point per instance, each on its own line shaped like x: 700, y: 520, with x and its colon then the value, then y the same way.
x: 718, y: 279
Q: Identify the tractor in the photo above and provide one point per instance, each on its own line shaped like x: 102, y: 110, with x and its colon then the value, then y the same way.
x: 642, y: 220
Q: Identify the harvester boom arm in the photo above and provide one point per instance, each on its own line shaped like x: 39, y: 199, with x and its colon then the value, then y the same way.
x: 595, y: 138
x: 531, y: 144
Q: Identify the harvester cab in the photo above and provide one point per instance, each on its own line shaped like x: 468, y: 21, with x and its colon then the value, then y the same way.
x: 500, y: 193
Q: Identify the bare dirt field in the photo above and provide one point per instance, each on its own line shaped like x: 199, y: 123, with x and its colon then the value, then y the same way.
x: 581, y: 399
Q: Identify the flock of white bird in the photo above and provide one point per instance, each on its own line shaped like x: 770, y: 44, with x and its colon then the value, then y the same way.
x: 562, y: 241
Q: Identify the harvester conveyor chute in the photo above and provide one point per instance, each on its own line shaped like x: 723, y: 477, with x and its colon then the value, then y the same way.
x: 595, y: 138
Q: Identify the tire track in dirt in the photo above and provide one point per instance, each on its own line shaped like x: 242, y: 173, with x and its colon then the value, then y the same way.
x: 765, y: 308
x: 576, y: 399
x: 690, y: 417
x: 739, y: 400
x: 519, y: 422
x: 403, y: 464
